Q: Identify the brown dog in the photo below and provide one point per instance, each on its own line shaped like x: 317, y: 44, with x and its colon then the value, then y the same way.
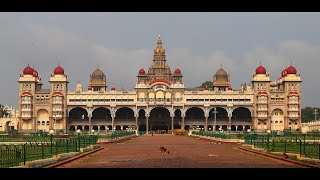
x: 285, y: 156
x: 164, y: 150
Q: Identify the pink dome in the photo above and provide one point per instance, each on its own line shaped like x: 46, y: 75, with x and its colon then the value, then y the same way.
x: 261, y: 70
x: 28, y: 70
x: 59, y: 70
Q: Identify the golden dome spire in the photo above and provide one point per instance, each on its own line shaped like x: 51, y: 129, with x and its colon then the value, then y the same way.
x: 159, y: 43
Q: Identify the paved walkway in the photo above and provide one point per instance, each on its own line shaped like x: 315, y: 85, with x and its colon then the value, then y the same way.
x: 185, y: 152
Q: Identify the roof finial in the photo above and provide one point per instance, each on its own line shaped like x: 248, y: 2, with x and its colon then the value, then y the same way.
x: 291, y: 62
x: 159, y: 43
x: 97, y: 66
x: 58, y: 57
x: 220, y: 65
x: 260, y: 63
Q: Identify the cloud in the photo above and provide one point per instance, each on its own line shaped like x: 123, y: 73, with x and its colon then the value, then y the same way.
x: 80, y: 55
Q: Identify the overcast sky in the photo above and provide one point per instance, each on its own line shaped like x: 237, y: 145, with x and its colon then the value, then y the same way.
x: 122, y: 43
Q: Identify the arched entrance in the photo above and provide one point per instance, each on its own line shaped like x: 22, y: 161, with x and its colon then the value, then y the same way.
x: 9, y: 126
x: 142, y: 120
x: 177, y: 119
x: 277, y: 120
x: 241, y: 116
x: 42, y: 117
x: 194, y: 116
x: 221, y: 116
x: 159, y: 119
x: 101, y: 116
x: 124, y: 117
x: 72, y: 128
x: 78, y: 114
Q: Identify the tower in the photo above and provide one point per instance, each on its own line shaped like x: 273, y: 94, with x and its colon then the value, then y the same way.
x: 221, y: 80
x: 261, y: 87
x: 177, y: 76
x: 98, y: 81
x: 159, y: 69
x: 28, y: 84
x: 58, y: 101
x: 291, y: 84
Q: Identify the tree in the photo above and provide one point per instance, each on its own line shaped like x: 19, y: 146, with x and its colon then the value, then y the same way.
x: 3, y: 111
x: 307, y: 113
x: 209, y: 84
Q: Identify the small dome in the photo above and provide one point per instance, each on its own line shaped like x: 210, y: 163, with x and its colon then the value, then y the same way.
x: 291, y: 70
x: 59, y: 70
x: 35, y: 73
x: 98, y: 75
x: 142, y: 72
x: 261, y: 70
x: 113, y: 89
x: 177, y: 71
x: 90, y: 89
x: 229, y: 88
x: 28, y: 70
x: 206, y: 88
x: 79, y: 85
x: 221, y: 75
x: 284, y: 72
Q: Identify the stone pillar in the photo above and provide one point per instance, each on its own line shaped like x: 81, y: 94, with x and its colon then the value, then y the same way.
x: 137, y: 127
x: 121, y: 127
x: 112, y: 123
x: 172, y: 124
x: 147, y: 124
x: 182, y: 124
x: 206, y: 124
x: 229, y: 116
x: 89, y: 123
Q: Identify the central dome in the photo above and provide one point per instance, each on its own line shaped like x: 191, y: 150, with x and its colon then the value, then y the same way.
x: 98, y: 75
x: 221, y: 75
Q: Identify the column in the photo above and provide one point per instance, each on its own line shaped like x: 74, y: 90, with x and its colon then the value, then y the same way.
x: 121, y: 128
x: 229, y: 116
x: 182, y: 124
x: 147, y: 124
x: 172, y: 124
x: 137, y: 127
x: 206, y: 126
x: 112, y: 123
x: 269, y: 123
x: 89, y: 123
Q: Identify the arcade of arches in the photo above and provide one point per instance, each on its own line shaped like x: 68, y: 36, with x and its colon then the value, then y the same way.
x: 159, y: 118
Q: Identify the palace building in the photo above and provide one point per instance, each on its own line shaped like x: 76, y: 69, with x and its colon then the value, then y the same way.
x: 160, y: 101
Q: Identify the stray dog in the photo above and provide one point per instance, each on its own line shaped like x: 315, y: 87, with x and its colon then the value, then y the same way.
x: 285, y: 156
x: 164, y: 150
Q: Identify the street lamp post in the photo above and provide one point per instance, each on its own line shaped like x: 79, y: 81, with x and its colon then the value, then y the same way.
x: 215, y: 119
x: 55, y: 117
x: 79, y: 132
x: 229, y: 128
x: 315, y: 114
x: 268, y: 134
x: 51, y: 134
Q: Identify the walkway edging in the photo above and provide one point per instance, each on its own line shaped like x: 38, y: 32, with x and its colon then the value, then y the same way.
x: 276, y: 157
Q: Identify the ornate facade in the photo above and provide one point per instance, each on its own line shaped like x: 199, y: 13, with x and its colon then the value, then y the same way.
x: 161, y: 101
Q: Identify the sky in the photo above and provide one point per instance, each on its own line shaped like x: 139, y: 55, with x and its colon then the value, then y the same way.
x: 120, y: 43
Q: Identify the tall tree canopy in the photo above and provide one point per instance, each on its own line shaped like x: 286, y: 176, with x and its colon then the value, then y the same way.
x: 209, y: 84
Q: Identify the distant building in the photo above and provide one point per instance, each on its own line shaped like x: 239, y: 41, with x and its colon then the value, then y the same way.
x: 10, y: 121
x: 311, y: 126
x: 160, y: 101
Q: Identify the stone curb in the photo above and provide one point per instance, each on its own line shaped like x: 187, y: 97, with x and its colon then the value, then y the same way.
x: 217, y: 140
x: 276, y: 157
x: 119, y: 140
x: 71, y: 159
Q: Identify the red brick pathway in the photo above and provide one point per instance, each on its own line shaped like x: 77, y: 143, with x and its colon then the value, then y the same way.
x: 185, y: 152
